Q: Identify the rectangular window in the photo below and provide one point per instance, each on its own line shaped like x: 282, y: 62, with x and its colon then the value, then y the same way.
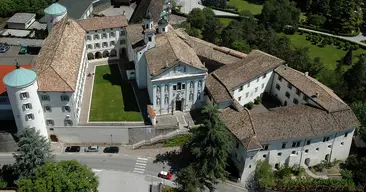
x: 306, y: 98
x: 27, y: 106
x: 48, y: 108
x: 239, y: 98
x: 50, y: 122
x: 241, y: 88
x: 296, y: 144
x: 112, y: 43
x: 29, y: 117
x: 150, y: 39
x: 298, y: 93
x: 68, y: 122
x: 280, y: 78
x: 122, y: 42
x: 183, y: 86
x: 64, y: 98
x: 278, y: 87
x: 88, y: 37
x: 122, y: 32
x: 24, y: 95
x: 96, y: 36
x: 179, y: 86
x: 308, y: 142
x: 112, y: 34
x: 97, y: 45
x: 256, y: 89
x: 296, y: 101
x: 262, y: 85
x: 265, y: 147
x: 105, y: 44
x: 284, y: 145
x: 174, y: 87
x: 248, y: 84
x: 104, y: 35
x: 264, y: 75
x: 287, y: 94
x: 90, y: 46
x: 289, y: 86
x: 346, y: 134
x: 325, y: 139
x: 246, y: 95
x: 66, y: 109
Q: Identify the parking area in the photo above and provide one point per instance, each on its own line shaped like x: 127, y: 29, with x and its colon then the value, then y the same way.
x: 9, y: 57
x: 83, y: 148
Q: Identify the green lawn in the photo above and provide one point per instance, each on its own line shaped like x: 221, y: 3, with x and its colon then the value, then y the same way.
x: 178, y: 140
x: 112, y: 100
x: 329, y: 54
x: 225, y: 21
x: 244, y: 5
x: 2, y: 20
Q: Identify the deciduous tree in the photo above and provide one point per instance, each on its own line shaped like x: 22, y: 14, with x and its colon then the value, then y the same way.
x: 347, y: 59
x: 187, y: 181
x: 196, y: 18
x: 33, y: 151
x: 355, y: 80
x: 68, y: 176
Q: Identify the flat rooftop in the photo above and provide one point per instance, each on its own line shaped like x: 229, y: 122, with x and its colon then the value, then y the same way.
x: 21, y: 17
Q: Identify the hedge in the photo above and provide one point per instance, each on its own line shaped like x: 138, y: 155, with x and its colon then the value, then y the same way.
x: 179, y: 13
x: 223, y: 9
x: 228, y: 16
x: 317, y: 184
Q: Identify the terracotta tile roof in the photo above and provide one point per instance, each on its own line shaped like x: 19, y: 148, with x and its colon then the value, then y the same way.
x: 217, y: 90
x: 5, y: 69
x: 209, y: 51
x: 291, y: 122
x: 154, y: 6
x: 134, y: 33
x: 58, y: 62
x: 107, y: 22
x: 327, y: 99
x: 256, y: 63
x: 168, y: 50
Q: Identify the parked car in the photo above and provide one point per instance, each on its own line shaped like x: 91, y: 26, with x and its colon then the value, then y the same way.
x: 165, y: 175
x: 72, y: 149
x: 4, y: 49
x: 94, y: 148
x: 112, y: 149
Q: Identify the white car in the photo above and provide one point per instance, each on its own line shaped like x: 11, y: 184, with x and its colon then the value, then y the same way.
x: 94, y: 148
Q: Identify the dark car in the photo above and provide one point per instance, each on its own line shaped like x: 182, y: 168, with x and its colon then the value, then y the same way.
x: 113, y: 149
x: 4, y: 49
x: 72, y: 149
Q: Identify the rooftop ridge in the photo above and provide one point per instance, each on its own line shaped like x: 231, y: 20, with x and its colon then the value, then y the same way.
x: 218, y: 79
x: 251, y: 120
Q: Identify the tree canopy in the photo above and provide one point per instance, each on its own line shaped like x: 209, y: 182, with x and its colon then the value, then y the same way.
x: 33, y: 151
x: 355, y: 81
x: 68, y: 176
x: 278, y: 14
x: 9, y: 7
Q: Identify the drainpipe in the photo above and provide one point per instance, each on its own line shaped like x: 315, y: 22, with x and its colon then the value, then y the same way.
x: 331, y: 150
x: 302, y: 151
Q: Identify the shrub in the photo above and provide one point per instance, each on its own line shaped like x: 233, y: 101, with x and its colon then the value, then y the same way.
x: 309, y: 37
x: 347, y: 45
x: 249, y: 105
x: 178, y: 140
x: 257, y: 100
x: 355, y: 47
x: 325, y: 42
x: 3, y: 184
x: 346, y: 174
x: 264, y: 174
x: 316, y: 20
x: 284, y: 171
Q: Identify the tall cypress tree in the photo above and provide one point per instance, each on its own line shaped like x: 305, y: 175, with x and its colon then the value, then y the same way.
x: 347, y: 59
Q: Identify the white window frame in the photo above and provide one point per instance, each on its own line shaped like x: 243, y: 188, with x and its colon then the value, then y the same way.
x: 112, y: 43
x: 65, y: 98
x: 68, y: 122
x: 29, y: 117
x: 111, y: 34
x: 97, y: 45
x: 90, y: 46
x: 24, y: 95
x: 105, y: 44
x: 47, y: 108
x: 27, y: 106
x: 96, y: 36
x: 50, y: 122
x: 66, y: 109
x: 45, y: 97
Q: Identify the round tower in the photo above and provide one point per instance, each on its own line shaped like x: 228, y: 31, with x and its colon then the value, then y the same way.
x: 54, y: 13
x: 21, y: 86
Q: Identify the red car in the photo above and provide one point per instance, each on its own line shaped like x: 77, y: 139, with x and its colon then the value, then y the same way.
x: 165, y: 175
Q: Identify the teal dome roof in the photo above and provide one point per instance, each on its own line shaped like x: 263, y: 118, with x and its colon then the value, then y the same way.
x: 20, y: 77
x: 55, y: 9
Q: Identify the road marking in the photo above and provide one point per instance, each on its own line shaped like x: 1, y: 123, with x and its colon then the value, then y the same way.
x: 138, y: 169
x: 141, y: 172
x: 141, y: 164
x: 141, y: 161
x: 142, y: 158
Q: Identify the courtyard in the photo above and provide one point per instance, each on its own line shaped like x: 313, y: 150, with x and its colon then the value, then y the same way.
x: 112, y: 98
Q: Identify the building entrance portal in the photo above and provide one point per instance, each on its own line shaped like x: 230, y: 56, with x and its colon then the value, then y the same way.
x: 178, y: 105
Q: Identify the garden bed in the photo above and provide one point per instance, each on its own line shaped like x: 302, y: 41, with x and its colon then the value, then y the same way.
x: 327, y: 168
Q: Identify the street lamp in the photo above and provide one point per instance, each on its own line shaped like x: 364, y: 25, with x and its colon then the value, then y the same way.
x: 111, y: 139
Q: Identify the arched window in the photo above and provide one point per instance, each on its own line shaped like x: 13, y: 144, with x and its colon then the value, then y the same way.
x: 157, y: 101
x: 199, y: 83
x: 158, y: 88
x: 166, y: 100
x: 166, y: 88
x: 191, y: 84
x: 191, y: 96
x: 199, y: 95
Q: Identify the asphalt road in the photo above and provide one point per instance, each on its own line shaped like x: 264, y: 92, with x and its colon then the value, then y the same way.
x: 123, y: 163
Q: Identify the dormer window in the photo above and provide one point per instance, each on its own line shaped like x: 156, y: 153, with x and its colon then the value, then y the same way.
x: 150, y: 39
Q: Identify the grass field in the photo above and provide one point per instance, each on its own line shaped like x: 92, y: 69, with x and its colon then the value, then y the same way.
x: 245, y: 5
x: 225, y: 21
x: 112, y: 99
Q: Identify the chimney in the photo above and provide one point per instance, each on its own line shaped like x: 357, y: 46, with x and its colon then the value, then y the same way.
x: 124, y: 12
x: 306, y: 73
x: 286, y: 66
x: 317, y: 94
x: 166, y: 64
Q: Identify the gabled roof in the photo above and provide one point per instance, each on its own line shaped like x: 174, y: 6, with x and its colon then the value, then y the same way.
x: 58, y: 62
x: 326, y: 98
x: 168, y: 50
x: 217, y: 90
x: 256, y: 63
x: 107, y: 22
x: 154, y: 6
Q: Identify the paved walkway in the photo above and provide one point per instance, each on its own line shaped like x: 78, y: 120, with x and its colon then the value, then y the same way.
x: 357, y: 39
x: 311, y: 174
